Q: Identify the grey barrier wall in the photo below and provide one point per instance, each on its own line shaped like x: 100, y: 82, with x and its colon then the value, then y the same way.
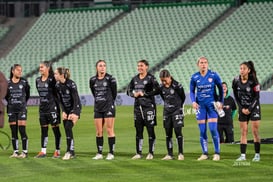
x: 123, y: 99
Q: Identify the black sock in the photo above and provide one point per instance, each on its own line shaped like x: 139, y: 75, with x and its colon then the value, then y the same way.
x: 22, y: 130
x: 243, y: 148
x: 57, y: 134
x: 14, y: 137
x: 68, y: 125
x: 139, y: 143
x: 180, y: 144
x: 169, y: 144
x: 44, y: 136
x: 257, y: 146
x: 99, y: 141
x: 111, y: 142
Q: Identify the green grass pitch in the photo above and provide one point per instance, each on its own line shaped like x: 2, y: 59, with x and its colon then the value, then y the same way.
x: 123, y: 168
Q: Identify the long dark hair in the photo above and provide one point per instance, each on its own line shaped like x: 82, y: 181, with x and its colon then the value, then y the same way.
x: 252, y: 74
x: 12, y: 69
x: 64, y: 71
x: 48, y: 64
x: 164, y: 74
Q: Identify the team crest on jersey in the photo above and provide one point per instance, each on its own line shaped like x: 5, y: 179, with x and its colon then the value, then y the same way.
x: 172, y: 91
x: 210, y: 80
x: 46, y: 85
x: 20, y: 86
x: 105, y: 84
x: 145, y: 82
x: 248, y: 89
x: 67, y: 91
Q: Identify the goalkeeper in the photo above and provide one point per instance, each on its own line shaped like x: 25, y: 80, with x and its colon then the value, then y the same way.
x: 205, y: 82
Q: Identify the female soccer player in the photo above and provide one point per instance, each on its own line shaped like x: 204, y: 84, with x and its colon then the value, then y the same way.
x: 205, y: 82
x: 173, y: 95
x: 246, y: 90
x: 49, y: 110
x: 143, y: 87
x: 104, y: 89
x: 225, y: 124
x: 71, y: 106
x: 17, y: 96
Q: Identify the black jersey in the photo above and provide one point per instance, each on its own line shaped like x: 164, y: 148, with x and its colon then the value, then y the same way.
x: 174, y: 97
x: 69, y: 98
x: 17, y: 96
x: 228, y: 106
x: 246, y: 94
x: 104, y: 92
x: 148, y: 85
x: 48, y: 96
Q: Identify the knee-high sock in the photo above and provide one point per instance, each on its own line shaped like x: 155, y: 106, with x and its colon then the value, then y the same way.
x: 22, y: 130
x: 44, y: 137
x: 151, y: 134
x: 139, y: 139
x: 203, y: 137
x: 179, y: 138
x: 111, y: 143
x: 68, y: 125
x: 215, y: 136
x: 57, y: 134
x: 99, y: 142
x: 14, y: 137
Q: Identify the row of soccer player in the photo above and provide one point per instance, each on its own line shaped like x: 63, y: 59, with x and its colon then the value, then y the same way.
x: 56, y: 88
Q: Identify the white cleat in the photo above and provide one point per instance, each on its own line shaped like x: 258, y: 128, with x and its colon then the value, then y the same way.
x: 203, y: 157
x: 110, y: 156
x: 167, y: 157
x: 256, y: 158
x: 180, y: 157
x: 137, y: 156
x: 241, y: 158
x: 216, y: 157
x: 67, y: 156
x: 98, y: 157
x: 14, y: 155
x: 149, y: 156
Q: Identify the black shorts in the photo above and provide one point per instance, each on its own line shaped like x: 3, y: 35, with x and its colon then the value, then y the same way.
x: 255, y: 115
x: 145, y: 116
x: 111, y: 113
x: 17, y: 116
x: 52, y: 118
x: 173, y: 121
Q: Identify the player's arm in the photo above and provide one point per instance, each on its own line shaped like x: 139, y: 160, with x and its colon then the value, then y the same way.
x: 235, y: 93
x: 218, y: 83
x: 256, y: 97
x: 114, y: 87
x: 76, y: 100
x: 180, y: 91
x: 27, y: 90
x: 91, y: 86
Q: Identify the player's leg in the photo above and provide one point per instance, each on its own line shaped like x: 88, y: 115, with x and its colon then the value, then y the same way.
x: 44, y: 135
x: 55, y: 121
x: 180, y: 142
x: 109, y: 123
x: 68, y: 125
x: 201, y: 116
x: 229, y: 134
x: 14, y: 135
x: 150, y: 122
x: 220, y: 129
x: 257, y: 141
x: 139, y: 126
x: 99, y: 123
x: 24, y: 137
x: 152, y: 138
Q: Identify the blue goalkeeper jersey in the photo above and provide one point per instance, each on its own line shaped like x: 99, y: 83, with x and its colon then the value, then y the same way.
x: 206, y: 87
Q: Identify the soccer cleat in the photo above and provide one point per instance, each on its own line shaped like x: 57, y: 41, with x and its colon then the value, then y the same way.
x: 180, y: 157
x: 14, y: 155
x: 167, y: 157
x: 216, y: 157
x: 68, y: 156
x: 40, y: 155
x: 203, y: 157
x: 137, y: 156
x: 56, y: 154
x: 241, y: 158
x: 98, y: 157
x: 23, y: 155
x: 149, y: 156
x: 110, y: 156
x: 256, y: 158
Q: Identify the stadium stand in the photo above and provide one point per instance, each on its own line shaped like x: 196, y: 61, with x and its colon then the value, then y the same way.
x: 245, y: 35
x: 150, y: 33
x: 53, y: 33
